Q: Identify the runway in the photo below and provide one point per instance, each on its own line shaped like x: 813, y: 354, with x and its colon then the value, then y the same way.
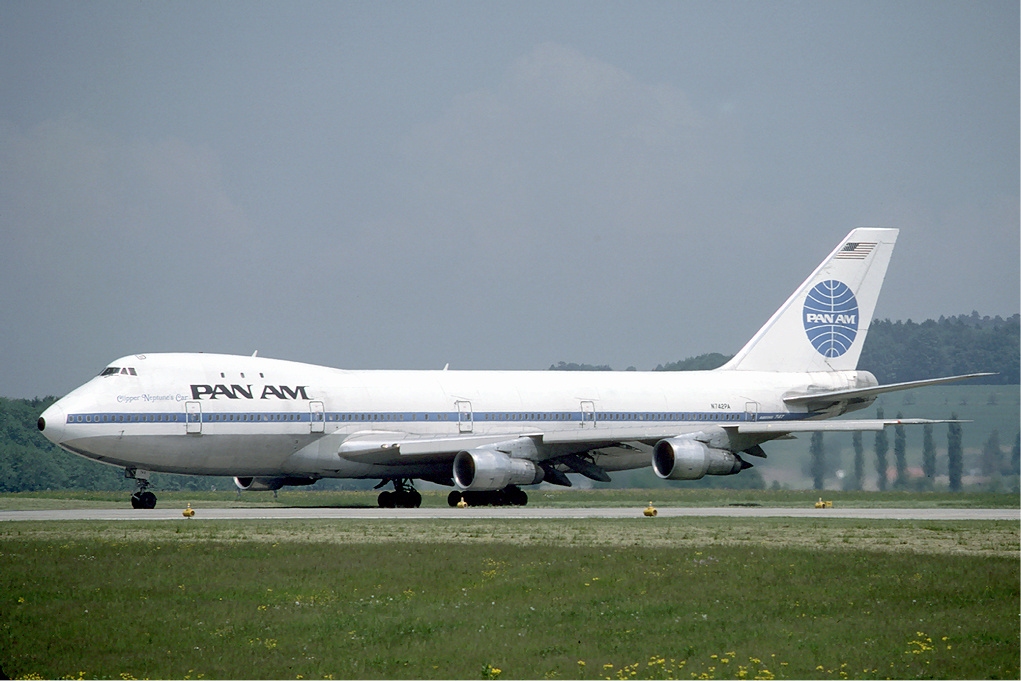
x: 510, y: 513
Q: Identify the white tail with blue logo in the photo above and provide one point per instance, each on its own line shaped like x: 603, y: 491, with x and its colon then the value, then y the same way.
x: 822, y: 326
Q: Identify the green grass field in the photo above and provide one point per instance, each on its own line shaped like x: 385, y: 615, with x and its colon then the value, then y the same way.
x: 619, y: 599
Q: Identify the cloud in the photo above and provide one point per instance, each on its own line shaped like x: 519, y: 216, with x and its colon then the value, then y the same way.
x: 107, y: 241
x: 563, y: 197
x: 569, y: 146
x: 76, y: 198
x: 567, y: 209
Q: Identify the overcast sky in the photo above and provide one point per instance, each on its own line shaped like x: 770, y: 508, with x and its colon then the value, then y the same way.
x: 495, y: 185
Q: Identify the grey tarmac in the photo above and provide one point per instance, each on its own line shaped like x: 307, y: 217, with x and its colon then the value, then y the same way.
x: 494, y: 513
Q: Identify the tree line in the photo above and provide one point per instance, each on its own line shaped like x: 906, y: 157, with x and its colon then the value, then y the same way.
x: 907, y: 351
x: 997, y: 467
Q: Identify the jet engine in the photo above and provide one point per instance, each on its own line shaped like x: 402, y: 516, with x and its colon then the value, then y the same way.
x: 271, y: 484
x: 485, y: 469
x: 688, y: 459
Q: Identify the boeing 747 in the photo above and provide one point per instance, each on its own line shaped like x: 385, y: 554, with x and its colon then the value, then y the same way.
x: 270, y: 423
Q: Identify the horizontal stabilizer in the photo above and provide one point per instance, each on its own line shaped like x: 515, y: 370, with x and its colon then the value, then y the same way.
x: 820, y: 400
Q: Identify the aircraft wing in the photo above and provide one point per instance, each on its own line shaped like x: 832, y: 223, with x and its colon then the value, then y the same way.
x: 393, y: 447
x: 397, y: 448
x: 819, y: 401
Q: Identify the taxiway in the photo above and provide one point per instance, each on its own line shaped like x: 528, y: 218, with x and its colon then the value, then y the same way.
x: 491, y: 513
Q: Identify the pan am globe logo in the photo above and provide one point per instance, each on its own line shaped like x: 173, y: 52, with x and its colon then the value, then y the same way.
x: 831, y: 317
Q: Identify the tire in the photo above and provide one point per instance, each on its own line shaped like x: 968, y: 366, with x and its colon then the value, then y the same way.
x: 517, y: 497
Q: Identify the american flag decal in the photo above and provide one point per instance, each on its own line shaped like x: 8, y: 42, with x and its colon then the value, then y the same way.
x: 856, y: 250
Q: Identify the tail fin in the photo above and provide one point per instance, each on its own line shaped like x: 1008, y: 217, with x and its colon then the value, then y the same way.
x: 822, y: 326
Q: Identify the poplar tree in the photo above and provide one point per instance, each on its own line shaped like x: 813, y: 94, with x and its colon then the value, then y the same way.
x: 928, y: 456
x: 900, y: 454
x: 882, y: 447
x: 992, y: 455
x: 818, y: 453
x: 955, y: 454
x: 859, y: 462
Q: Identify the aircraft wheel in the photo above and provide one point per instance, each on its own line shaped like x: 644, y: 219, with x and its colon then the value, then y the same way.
x: 405, y: 499
x: 453, y: 498
x: 516, y: 496
x: 386, y: 500
x: 143, y: 500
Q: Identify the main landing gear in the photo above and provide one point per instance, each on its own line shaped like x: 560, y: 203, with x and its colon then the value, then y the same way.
x: 404, y: 495
x: 142, y: 498
x: 511, y: 495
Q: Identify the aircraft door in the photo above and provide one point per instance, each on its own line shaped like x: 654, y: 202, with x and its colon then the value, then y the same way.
x: 317, y: 417
x: 751, y: 410
x: 465, y: 424
x: 588, y: 414
x: 193, y: 418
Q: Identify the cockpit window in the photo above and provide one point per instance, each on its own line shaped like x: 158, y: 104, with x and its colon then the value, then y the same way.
x: 110, y: 371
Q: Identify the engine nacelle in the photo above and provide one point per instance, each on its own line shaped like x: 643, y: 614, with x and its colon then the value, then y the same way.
x: 687, y: 459
x: 271, y: 484
x: 486, y: 469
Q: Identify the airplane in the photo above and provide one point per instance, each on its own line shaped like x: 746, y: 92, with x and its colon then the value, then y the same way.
x: 272, y: 423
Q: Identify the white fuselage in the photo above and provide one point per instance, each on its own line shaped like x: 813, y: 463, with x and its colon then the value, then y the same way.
x: 250, y: 416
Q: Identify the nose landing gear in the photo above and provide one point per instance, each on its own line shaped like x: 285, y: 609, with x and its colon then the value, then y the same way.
x: 142, y: 498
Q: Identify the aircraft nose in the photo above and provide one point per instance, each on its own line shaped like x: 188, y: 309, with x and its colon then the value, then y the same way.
x: 52, y: 423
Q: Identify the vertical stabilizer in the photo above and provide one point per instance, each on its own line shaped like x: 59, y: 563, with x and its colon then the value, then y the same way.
x: 822, y: 326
